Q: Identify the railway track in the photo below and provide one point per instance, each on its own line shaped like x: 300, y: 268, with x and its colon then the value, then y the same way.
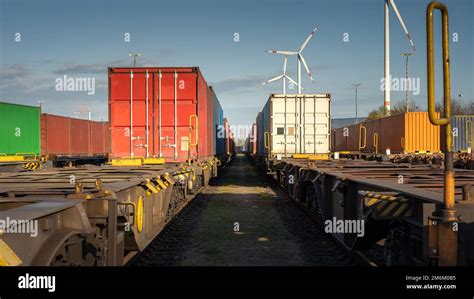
x: 393, y: 200
x: 317, y: 226
x: 372, y: 257
x: 317, y: 248
x: 166, y: 248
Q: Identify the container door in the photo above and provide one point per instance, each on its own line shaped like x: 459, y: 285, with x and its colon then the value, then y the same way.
x: 285, y: 125
x: 128, y: 111
x: 316, y: 122
x: 140, y: 121
x: 300, y: 124
x: 175, y: 108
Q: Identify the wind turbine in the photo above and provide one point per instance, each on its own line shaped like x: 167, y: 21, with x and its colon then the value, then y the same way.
x: 387, y: 50
x: 283, y: 77
x: 300, y: 58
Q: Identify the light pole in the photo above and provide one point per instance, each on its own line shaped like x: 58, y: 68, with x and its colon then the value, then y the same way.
x: 40, y: 105
x: 406, y: 76
x: 135, y: 55
x: 356, y: 85
x: 89, y: 110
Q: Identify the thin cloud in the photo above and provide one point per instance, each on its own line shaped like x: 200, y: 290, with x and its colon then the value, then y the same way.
x: 20, y: 77
x: 244, y: 84
x: 88, y: 68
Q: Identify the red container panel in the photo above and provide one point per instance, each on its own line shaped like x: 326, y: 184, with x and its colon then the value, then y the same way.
x: 253, y: 139
x: 55, y: 139
x: 64, y: 136
x: 164, y: 135
x: 99, y: 137
x: 79, y: 133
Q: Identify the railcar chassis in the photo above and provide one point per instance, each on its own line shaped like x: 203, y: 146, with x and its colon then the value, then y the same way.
x: 397, y: 202
x: 93, y: 215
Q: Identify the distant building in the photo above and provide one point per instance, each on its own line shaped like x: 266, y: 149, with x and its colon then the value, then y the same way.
x: 342, y: 122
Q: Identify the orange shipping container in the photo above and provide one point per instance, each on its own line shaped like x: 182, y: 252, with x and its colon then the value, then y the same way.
x: 409, y: 132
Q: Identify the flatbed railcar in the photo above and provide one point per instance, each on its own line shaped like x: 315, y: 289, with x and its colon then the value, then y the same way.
x: 93, y: 215
x: 397, y: 202
x: 406, y: 137
x: 31, y: 140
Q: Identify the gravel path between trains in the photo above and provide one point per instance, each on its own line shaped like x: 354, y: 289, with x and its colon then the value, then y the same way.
x: 272, y: 231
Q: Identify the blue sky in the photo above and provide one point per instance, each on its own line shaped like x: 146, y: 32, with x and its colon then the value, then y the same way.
x: 83, y: 38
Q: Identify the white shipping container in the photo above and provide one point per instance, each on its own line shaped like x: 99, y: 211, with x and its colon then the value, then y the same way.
x: 296, y: 124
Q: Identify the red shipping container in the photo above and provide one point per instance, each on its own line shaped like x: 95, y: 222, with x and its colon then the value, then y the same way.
x: 79, y: 137
x: 227, y: 136
x: 253, y: 139
x: 99, y: 138
x: 171, y: 115
x: 54, y: 135
x: 65, y: 136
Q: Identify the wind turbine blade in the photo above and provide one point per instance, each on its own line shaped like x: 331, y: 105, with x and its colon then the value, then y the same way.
x: 282, y: 52
x: 273, y: 79
x: 306, y: 41
x: 300, y: 57
x: 400, y: 19
x: 291, y: 80
x: 284, y: 65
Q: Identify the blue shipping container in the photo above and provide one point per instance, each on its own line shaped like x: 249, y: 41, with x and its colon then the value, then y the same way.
x: 463, y: 132
x: 218, y: 143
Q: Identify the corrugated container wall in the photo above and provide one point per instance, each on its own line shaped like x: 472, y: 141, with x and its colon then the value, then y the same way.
x: 296, y: 124
x: 65, y: 136
x: 227, y: 137
x: 463, y: 133
x: 420, y: 134
x: 178, y: 124
x: 253, y: 139
x: 409, y: 132
x: 19, y: 129
x: 218, y: 143
x: 260, y: 143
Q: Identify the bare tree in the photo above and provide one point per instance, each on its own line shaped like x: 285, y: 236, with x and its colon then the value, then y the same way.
x: 398, y: 108
x: 457, y: 107
x: 376, y: 113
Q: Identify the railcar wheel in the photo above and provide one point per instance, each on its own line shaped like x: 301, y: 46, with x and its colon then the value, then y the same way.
x: 75, y: 251
x: 312, y: 203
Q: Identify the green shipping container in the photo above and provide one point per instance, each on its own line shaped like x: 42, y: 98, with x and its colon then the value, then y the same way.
x: 19, y: 129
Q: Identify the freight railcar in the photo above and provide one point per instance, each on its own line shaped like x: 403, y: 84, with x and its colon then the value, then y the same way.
x: 409, y: 132
x: 93, y: 215
x: 163, y: 113
x: 218, y: 141
x: 463, y: 133
x: 66, y: 140
x: 20, y: 142
x: 19, y: 130
x: 399, y: 205
x: 463, y: 136
x: 293, y: 125
x: 90, y: 215
x: 251, y: 141
x: 229, y: 139
x: 406, y: 137
x: 31, y: 140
